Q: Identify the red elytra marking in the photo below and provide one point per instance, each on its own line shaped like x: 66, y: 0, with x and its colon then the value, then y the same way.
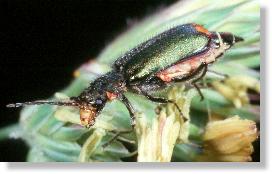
x: 111, y: 96
x: 179, y: 69
x: 164, y: 77
x: 201, y: 29
x: 185, y: 67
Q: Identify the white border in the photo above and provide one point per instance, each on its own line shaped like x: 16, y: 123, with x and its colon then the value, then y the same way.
x: 243, y: 168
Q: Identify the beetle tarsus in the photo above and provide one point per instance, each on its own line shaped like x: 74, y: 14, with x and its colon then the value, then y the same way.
x: 117, y: 134
x: 111, y: 140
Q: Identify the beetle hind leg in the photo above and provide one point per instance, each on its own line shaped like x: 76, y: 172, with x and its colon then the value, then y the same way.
x: 194, y: 77
x: 199, y: 91
x: 204, y: 71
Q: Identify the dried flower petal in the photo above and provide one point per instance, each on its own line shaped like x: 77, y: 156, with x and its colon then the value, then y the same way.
x: 235, y: 88
x: 156, y: 141
x: 229, y: 140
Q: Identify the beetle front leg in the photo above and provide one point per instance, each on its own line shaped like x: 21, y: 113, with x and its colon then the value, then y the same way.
x: 115, y: 136
x: 130, y: 109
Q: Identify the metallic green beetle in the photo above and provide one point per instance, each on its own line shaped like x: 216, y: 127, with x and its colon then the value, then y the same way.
x: 176, y: 55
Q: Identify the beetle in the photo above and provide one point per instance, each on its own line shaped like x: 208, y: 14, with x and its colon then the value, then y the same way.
x: 179, y: 54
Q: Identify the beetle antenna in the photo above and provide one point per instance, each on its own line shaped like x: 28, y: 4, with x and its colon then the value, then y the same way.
x: 41, y: 102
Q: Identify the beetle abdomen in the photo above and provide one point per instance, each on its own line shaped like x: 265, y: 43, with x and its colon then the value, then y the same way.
x: 163, y: 51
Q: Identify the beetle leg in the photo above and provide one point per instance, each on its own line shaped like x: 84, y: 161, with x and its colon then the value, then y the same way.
x: 115, y: 136
x: 199, y: 91
x: 130, y: 109
x: 205, y: 68
x: 163, y: 100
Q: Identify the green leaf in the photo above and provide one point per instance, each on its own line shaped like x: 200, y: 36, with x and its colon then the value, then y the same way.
x: 185, y: 152
x: 91, y: 145
x: 37, y: 155
x: 71, y: 133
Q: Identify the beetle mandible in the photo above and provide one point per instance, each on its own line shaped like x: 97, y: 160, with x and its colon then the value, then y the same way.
x: 179, y: 54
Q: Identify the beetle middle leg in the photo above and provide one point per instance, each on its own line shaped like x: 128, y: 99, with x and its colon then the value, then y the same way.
x: 162, y: 100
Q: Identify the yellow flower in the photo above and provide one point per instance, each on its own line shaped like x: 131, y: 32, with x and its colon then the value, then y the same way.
x: 229, y: 140
x: 235, y: 88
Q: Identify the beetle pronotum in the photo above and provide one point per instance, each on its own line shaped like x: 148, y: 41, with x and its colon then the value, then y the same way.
x: 179, y: 54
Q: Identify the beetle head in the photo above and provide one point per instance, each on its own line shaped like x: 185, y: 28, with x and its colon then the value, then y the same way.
x: 225, y: 39
x: 229, y: 39
x: 87, y: 115
x: 89, y: 107
x: 222, y: 41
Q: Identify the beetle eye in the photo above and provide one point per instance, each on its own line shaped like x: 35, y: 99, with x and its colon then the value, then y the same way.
x: 98, y: 101
x: 216, y: 43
